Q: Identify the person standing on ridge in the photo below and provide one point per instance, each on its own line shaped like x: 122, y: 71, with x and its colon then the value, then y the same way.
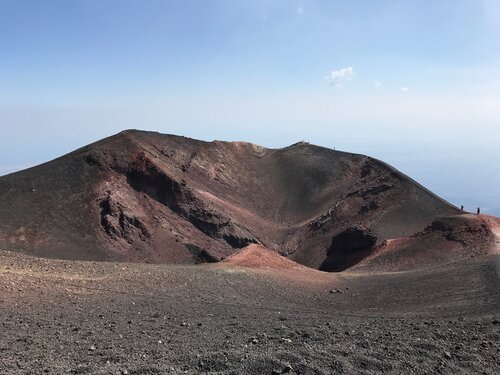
x: 478, y: 211
x: 462, y: 207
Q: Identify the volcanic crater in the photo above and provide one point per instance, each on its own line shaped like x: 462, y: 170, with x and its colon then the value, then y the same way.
x: 299, y: 260
x: 147, y: 197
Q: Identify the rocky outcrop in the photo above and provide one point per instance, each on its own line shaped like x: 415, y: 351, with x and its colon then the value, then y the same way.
x: 348, y: 248
x: 118, y: 223
x: 470, y: 233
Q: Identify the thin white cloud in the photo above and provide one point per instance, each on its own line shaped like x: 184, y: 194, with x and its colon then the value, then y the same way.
x: 377, y: 84
x: 404, y: 89
x: 340, y: 76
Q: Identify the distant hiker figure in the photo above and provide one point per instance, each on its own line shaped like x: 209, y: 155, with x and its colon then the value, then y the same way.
x: 462, y: 207
x: 478, y: 211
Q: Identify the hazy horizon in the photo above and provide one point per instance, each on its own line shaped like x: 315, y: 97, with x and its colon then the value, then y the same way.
x: 414, y: 84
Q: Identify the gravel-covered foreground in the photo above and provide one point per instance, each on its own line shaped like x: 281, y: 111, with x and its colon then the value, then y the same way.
x: 112, y: 318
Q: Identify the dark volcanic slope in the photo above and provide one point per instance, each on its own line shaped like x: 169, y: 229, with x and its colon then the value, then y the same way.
x: 144, y: 196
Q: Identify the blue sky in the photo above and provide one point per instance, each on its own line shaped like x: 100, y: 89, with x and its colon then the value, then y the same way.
x: 415, y: 83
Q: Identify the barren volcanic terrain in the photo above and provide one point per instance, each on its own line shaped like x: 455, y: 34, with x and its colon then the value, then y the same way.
x: 149, y: 254
x: 147, y: 197
x: 243, y: 317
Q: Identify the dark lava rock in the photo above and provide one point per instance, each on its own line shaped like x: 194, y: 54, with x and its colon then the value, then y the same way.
x: 348, y: 248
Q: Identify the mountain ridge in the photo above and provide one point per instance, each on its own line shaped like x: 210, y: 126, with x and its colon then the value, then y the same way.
x: 148, y: 197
